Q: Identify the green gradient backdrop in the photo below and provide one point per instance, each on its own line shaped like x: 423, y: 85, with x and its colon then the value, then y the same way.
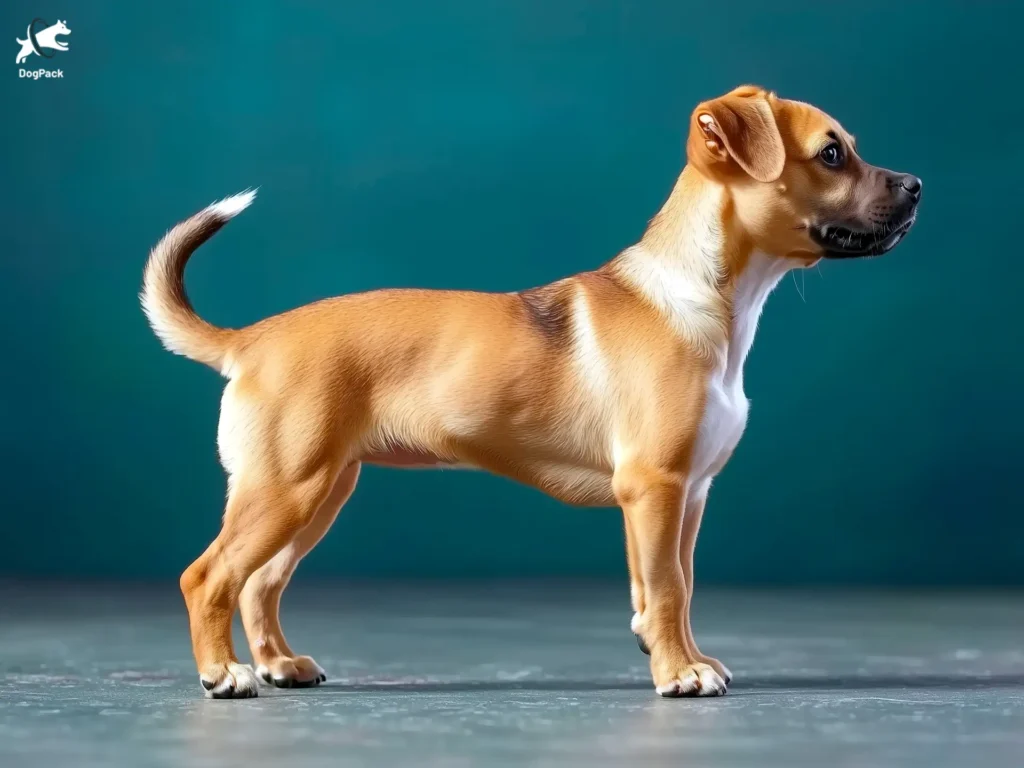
x: 498, y: 145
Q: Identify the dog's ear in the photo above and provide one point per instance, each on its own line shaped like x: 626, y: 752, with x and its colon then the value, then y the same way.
x: 738, y: 127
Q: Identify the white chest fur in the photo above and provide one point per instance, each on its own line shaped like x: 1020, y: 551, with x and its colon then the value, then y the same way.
x: 726, y: 405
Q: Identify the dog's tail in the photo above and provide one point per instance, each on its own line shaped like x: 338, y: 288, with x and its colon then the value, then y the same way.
x: 163, y: 295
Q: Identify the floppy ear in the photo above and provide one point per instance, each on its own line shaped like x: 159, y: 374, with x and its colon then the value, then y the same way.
x: 739, y: 126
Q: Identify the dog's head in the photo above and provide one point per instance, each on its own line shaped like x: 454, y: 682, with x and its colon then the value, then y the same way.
x: 60, y: 28
x: 797, y: 183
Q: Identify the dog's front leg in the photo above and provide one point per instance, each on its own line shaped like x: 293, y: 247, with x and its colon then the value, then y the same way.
x: 653, y: 501
x: 636, y: 580
x: 694, y: 512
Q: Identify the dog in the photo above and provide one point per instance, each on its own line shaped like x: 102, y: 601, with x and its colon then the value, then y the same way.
x: 620, y: 386
x: 46, y: 38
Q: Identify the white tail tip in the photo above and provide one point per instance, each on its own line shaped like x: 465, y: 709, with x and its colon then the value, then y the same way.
x: 230, y: 207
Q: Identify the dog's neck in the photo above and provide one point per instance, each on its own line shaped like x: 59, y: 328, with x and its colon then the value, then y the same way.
x: 699, y: 268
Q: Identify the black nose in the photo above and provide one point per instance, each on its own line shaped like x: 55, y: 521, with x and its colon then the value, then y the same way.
x: 912, y: 185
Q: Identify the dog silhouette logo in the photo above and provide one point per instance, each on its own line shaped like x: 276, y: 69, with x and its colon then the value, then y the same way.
x: 42, y: 40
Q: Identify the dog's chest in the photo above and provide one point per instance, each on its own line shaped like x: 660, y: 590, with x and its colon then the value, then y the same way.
x: 726, y: 405
x: 725, y: 417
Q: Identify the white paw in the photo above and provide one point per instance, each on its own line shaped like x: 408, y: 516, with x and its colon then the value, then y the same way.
x: 284, y: 672
x: 723, y: 671
x: 695, y: 680
x: 229, y: 681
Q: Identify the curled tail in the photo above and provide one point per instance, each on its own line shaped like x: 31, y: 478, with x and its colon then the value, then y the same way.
x: 163, y: 295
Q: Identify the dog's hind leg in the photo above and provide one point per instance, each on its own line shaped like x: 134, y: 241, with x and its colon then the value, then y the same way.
x: 263, y: 515
x: 260, y: 601
x: 280, y: 478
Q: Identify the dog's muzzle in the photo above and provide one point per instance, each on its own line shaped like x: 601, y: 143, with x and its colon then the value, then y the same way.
x: 843, y: 240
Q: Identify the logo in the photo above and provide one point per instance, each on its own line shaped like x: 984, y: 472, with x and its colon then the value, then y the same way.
x: 41, y: 41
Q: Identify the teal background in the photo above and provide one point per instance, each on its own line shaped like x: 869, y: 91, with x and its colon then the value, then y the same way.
x: 499, y: 145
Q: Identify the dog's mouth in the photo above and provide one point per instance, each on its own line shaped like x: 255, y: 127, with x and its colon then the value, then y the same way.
x: 842, y: 241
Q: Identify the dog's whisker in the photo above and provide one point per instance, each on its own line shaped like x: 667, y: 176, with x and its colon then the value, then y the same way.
x: 797, y: 286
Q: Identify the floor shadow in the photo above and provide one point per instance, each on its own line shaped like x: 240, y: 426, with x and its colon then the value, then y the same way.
x: 876, y: 682
x: 744, y: 685
x: 488, y: 686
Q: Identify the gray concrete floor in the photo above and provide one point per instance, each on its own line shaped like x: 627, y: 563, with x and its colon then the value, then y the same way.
x: 535, y: 674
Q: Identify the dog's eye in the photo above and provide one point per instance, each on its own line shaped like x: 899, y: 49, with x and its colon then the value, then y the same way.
x: 832, y: 155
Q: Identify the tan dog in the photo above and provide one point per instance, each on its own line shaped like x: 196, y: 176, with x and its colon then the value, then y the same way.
x: 622, y: 386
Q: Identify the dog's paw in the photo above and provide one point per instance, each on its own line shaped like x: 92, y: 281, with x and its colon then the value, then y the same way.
x: 285, y: 672
x: 229, y: 681
x: 723, y: 671
x: 693, y: 680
